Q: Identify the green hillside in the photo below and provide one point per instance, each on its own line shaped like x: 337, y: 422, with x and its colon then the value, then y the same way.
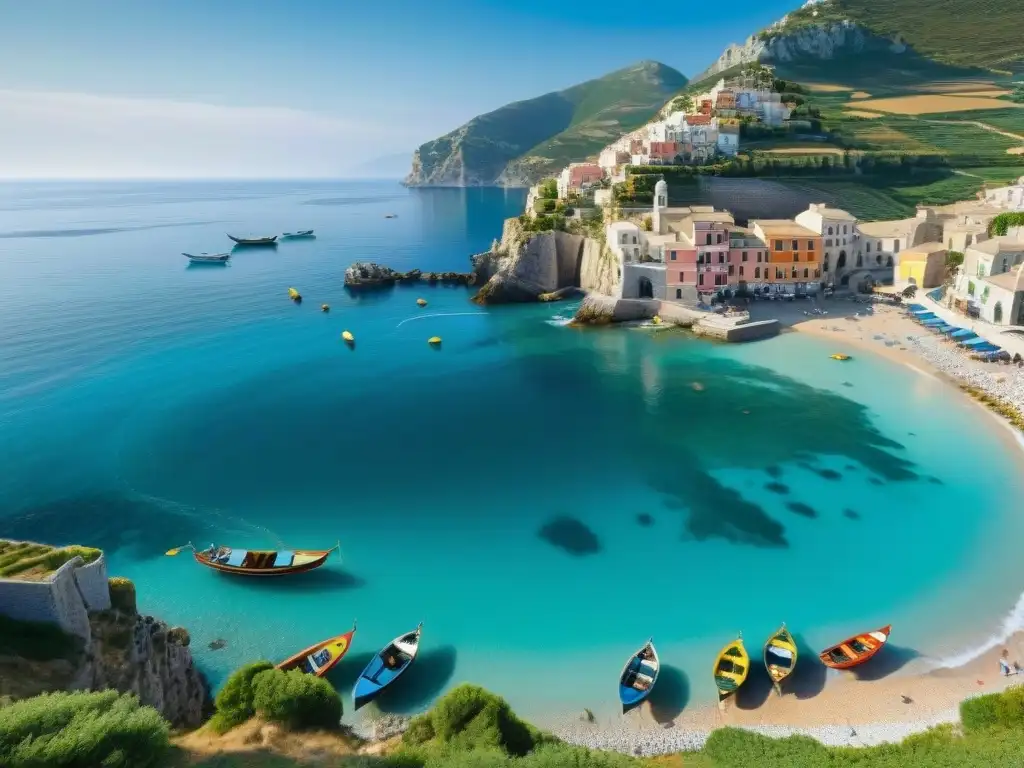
x: 524, y: 141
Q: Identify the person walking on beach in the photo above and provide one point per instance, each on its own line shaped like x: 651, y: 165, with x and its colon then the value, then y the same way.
x: 1004, y: 663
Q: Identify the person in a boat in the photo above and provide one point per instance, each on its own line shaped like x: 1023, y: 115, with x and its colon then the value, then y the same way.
x: 211, y: 551
x: 391, y: 661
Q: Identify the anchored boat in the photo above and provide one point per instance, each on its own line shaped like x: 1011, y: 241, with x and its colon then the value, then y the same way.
x: 300, y: 233
x: 639, y: 677
x: 856, y: 650
x: 271, y: 240
x: 731, y: 668
x: 255, y: 562
x: 780, y: 654
x: 839, y: 356
x: 320, y: 658
x: 207, y: 258
x: 387, y: 666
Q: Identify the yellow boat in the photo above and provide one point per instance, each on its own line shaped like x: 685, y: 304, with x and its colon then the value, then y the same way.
x: 347, y: 337
x: 731, y: 668
x: 434, y: 341
x: 656, y: 320
x: 838, y: 356
x: 421, y: 302
x: 780, y: 655
x: 294, y: 295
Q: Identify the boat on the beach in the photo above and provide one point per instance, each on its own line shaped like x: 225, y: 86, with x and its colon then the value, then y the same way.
x: 839, y: 356
x: 269, y: 240
x: 207, y: 258
x: 780, y: 654
x: 256, y: 562
x: 320, y: 658
x: 387, y: 666
x: 731, y: 668
x: 639, y: 677
x: 856, y: 650
x: 300, y: 233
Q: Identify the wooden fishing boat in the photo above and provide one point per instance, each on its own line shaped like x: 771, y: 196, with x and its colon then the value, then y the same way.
x: 207, y: 258
x: 780, y: 654
x: 270, y: 240
x: 639, y: 677
x: 300, y: 233
x: 856, y: 650
x: 254, y: 562
x: 387, y: 666
x: 731, y: 668
x: 320, y: 658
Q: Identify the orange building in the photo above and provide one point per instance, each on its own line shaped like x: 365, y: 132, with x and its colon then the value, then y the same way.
x: 794, y: 254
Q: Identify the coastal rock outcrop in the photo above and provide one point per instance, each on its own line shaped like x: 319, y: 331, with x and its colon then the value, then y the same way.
x: 596, y: 309
x: 370, y: 276
x: 544, y: 266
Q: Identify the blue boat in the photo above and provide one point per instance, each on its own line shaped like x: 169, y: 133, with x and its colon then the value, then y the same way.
x: 387, y: 666
x: 638, y: 677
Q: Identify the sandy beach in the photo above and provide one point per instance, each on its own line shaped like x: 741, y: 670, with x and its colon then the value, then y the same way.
x: 892, y: 697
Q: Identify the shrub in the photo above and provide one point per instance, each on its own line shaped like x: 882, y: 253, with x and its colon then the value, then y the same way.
x: 1004, y: 709
x: 122, y: 594
x: 548, y: 189
x: 82, y: 730
x: 234, y: 703
x: 296, y: 700
x: 468, y: 717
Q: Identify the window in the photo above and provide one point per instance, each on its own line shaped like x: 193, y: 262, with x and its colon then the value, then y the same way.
x: 679, y: 293
x: 672, y: 255
x: 830, y: 230
x: 869, y: 247
x: 794, y: 272
x: 810, y: 245
x: 744, y: 256
x: 828, y: 243
x: 757, y: 271
x: 844, y: 229
x: 796, y: 256
x: 721, y: 280
x: 888, y: 261
x: 634, y: 239
x: 970, y: 287
x: 721, y: 258
x: 730, y: 269
x: 895, y: 246
x: 778, y: 245
x: 779, y: 274
x: 708, y: 242
x: 806, y: 273
x: 719, y: 238
x: 878, y: 259
x: 741, y: 270
x: 796, y: 244
x: 681, y: 278
x: 860, y: 260
x: 700, y: 258
x: 700, y: 278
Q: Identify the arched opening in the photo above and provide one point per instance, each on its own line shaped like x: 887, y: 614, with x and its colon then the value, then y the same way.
x: 1020, y: 314
x: 644, y: 288
x: 878, y: 259
x: 824, y: 263
x: 845, y: 280
x: 888, y: 262
x: 841, y: 262
x: 997, y: 313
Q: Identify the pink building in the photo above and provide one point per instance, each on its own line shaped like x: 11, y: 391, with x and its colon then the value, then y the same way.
x: 664, y: 151
x: 748, y: 258
x: 711, y: 237
x: 680, y: 271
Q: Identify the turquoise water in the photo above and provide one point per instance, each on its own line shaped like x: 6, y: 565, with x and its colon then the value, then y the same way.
x: 544, y: 499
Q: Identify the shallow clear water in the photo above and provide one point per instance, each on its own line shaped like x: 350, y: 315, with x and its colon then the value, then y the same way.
x: 542, y: 498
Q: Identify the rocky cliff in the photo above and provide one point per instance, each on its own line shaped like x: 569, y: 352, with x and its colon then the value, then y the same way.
x: 124, y: 651
x: 531, y: 266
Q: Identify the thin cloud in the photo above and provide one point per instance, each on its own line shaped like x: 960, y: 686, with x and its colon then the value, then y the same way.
x: 74, y: 135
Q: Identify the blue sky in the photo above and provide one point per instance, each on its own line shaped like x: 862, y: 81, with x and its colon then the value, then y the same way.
x: 303, y: 86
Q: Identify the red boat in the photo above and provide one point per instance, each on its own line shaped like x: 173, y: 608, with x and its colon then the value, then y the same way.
x: 252, y: 562
x: 856, y: 650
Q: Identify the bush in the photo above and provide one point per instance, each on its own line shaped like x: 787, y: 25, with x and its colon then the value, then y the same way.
x: 82, y: 730
x: 468, y: 717
x: 1004, y: 709
x: 296, y: 700
x: 122, y: 594
x: 234, y: 703
x: 548, y: 189
x: 544, y: 205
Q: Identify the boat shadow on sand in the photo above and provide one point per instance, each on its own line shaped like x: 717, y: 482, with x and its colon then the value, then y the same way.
x: 891, y: 659
x: 670, y: 696
x: 419, y: 686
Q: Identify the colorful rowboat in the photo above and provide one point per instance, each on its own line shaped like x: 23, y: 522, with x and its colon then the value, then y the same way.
x: 300, y: 233
x: 780, y: 654
x: 639, y: 677
x: 387, y: 666
x: 856, y: 650
x: 731, y: 668
x: 320, y: 658
x: 256, y: 562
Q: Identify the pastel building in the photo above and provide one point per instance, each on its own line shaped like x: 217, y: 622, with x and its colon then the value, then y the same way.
x: 1010, y: 197
x: 922, y: 265
x: 748, y: 259
x: 794, y: 255
x: 578, y: 177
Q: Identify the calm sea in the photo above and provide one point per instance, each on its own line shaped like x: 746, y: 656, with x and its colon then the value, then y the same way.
x: 544, y: 499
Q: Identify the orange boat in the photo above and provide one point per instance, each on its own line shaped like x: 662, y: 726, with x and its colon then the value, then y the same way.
x: 320, y: 658
x: 856, y: 650
x: 254, y: 562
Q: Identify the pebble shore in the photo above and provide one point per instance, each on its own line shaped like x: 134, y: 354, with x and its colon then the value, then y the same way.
x: 660, y: 741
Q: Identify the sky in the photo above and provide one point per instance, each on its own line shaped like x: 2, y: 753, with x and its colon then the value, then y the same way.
x: 306, y: 88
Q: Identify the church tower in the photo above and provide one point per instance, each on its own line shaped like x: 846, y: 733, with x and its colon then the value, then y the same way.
x: 660, y: 204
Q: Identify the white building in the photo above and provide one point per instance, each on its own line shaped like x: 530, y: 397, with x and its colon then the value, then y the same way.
x: 841, y: 242
x: 729, y: 139
x: 990, y: 282
x: 1010, y: 197
x: 626, y: 240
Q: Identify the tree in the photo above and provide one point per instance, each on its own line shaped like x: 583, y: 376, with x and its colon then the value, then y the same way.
x: 648, y: 224
x: 548, y: 189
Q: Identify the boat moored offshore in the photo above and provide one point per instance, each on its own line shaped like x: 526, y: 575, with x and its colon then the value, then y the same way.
x: 207, y: 258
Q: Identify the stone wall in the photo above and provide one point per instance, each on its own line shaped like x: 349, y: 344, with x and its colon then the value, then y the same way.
x: 631, y: 274
x: 93, y: 586
x: 56, y: 601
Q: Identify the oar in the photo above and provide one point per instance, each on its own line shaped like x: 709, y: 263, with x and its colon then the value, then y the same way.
x: 176, y: 550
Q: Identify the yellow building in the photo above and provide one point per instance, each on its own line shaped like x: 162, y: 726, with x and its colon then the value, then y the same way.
x: 923, y: 265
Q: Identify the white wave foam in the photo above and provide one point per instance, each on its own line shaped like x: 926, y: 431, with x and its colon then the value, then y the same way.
x: 559, y: 321
x: 437, y: 314
x: 1012, y: 622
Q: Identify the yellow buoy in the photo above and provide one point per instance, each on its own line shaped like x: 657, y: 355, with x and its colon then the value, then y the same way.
x: 435, y: 340
x: 421, y: 302
x: 840, y: 357
x: 656, y: 320
x: 294, y: 295
x: 325, y: 307
x: 347, y: 336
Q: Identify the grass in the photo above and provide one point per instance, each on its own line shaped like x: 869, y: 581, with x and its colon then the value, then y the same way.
x: 997, y: 174
x: 36, y: 641
x: 31, y: 561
